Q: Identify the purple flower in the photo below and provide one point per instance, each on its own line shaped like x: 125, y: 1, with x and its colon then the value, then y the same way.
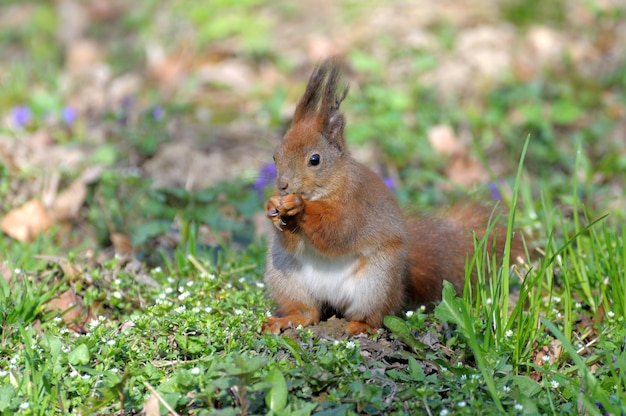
x: 267, y: 176
x: 68, y: 114
x: 21, y: 115
x: 390, y: 182
x: 157, y: 113
x: 495, y: 191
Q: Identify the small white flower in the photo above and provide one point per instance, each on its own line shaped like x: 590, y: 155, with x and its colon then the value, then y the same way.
x: 545, y: 358
x: 554, y: 384
x: 208, y: 309
x: 57, y: 319
x: 578, y: 305
x: 336, y: 342
x: 409, y: 314
x: 463, y: 377
x: 180, y: 309
x: 423, y: 308
x: 350, y: 345
x: 260, y: 285
x: 86, y: 377
x: 117, y: 282
x: 299, y: 327
x: 195, y: 310
x: 556, y: 299
x: 114, y: 370
x: 444, y: 412
x: 518, y: 407
x: 242, y: 279
x: 489, y: 301
x: 190, y: 283
x: 111, y: 342
x: 73, y: 373
x: 169, y: 290
x: 24, y: 405
x: 117, y: 295
x: 195, y: 371
x: 506, y: 389
x: 171, y: 280
x: 157, y: 269
x: 17, y: 271
x: 610, y: 314
x: 462, y: 403
x: 3, y: 373
x: 508, y: 333
x: 184, y: 295
x: 238, y: 312
x: 475, y: 376
x: 65, y: 349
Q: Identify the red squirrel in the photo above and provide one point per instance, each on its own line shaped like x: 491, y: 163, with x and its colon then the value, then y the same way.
x: 341, y: 242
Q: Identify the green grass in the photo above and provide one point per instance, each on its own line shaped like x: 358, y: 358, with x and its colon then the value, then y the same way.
x: 195, y: 342
x: 181, y: 327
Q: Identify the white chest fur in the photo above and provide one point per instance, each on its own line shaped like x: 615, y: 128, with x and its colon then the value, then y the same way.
x: 331, y: 280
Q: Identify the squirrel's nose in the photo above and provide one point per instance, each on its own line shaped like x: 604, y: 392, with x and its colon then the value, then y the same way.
x: 282, y: 184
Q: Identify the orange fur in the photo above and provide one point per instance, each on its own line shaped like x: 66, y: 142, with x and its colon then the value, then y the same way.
x: 341, y: 241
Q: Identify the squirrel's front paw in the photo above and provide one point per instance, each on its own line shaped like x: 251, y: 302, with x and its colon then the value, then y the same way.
x: 291, y: 205
x: 272, y: 211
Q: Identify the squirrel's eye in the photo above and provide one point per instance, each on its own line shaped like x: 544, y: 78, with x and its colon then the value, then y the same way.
x: 314, y: 160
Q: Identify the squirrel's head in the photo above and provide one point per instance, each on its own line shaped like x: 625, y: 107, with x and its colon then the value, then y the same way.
x: 312, y: 154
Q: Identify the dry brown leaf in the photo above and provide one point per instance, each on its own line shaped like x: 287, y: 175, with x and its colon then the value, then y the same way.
x: 67, y: 204
x: 69, y: 270
x: 548, y: 354
x: 82, y: 57
x: 465, y: 171
x: 25, y: 223
x: 122, y: 244
x: 72, y: 308
x: 151, y: 407
x: 167, y: 70
x: 444, y: 141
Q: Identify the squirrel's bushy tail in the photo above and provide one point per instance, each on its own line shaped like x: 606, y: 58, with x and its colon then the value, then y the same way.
x: 440, y: 246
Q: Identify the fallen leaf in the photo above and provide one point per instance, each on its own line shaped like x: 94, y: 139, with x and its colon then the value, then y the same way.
x: 26, y: 222
x: 82, y: 57
x: 151, y: 407
x: 465, y: 171
x: 546, y: 355
x: 71, y: 306
x: 67, y: 204
x: 69, y: 270
x: 444, y: 141
x: 122, y: 244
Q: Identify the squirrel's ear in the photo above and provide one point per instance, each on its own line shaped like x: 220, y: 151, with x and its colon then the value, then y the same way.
x: 331, y: 120
x: 321, y: 101
x: 310, y: 99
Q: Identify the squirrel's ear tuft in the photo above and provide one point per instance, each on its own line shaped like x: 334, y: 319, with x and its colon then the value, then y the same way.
x: 329, y: 116
x: 323, y: 95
